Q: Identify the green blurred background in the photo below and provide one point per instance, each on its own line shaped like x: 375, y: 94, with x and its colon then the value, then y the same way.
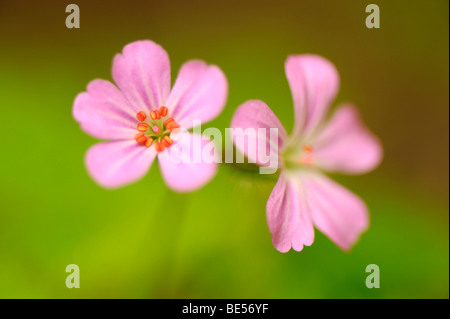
x: 145, y: 241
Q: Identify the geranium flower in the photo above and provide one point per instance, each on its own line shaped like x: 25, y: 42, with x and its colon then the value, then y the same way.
x: 140, y: 114
x: 303, y: 195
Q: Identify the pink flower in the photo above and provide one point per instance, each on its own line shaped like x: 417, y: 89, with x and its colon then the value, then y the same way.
x: 140, y: 114
x: 303, y: 196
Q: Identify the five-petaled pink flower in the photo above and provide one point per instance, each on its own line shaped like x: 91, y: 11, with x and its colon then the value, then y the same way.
x: 303, y: 196
x: 139, y: 115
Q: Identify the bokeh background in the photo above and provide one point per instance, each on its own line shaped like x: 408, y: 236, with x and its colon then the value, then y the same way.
x: 145, y: 241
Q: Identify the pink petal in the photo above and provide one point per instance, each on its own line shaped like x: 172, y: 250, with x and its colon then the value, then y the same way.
x: 255, y: 114
x: 199, y: 93
x: 288, y: 217
x: 314, y: 83
x: 346, y: 145
x: 142, y: 72
x: 117, y: 163
x: 190, y: 171
x: 104, y: 112
x: 335, y: 211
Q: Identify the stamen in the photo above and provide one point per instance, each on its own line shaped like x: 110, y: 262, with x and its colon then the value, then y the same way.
x: 307, y: 158
x: 155, y: 115
x: 307, y: 148
x: 140, y: 138
x: 163, y: 110
x: 166, y: 122
x: 159, y: 147
x: 148, y: 142
x: 167, y: 141
x: 172, y: 126
x: 141, y: 116
x: 142, y: 127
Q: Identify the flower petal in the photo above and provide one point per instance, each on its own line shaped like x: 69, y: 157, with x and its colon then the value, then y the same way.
x: 346, y: 145
x: 249, y: 117
x: 183, y: 166
x: 314, y: 83
x: 104, y: 112
x: 199, y: 93
x: 142, y: 72
x: 288, y: 217
x: 117, y: 163
x: 335, y: 211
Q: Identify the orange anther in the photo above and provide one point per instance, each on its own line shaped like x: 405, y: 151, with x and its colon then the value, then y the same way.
x: 159, y: 147
x: 140, y: 138
x: 307, y: 148
x: 138, y: 135
x: 163, y: 110
x: 155, y: 115
x: 166, y: 122
x: 142, y: 127
x: 172, y: 125
x: 167, y: 141
x: 148, y: 142
x: 141, y: 116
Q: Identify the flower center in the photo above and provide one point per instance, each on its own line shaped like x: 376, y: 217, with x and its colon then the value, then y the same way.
x: 307, y: 156
x: 155, y: 129
x: 293, y: 158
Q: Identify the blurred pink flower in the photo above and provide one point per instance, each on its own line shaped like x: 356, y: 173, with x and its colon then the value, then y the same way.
x: 303, y: 196
x: 139, y: 115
